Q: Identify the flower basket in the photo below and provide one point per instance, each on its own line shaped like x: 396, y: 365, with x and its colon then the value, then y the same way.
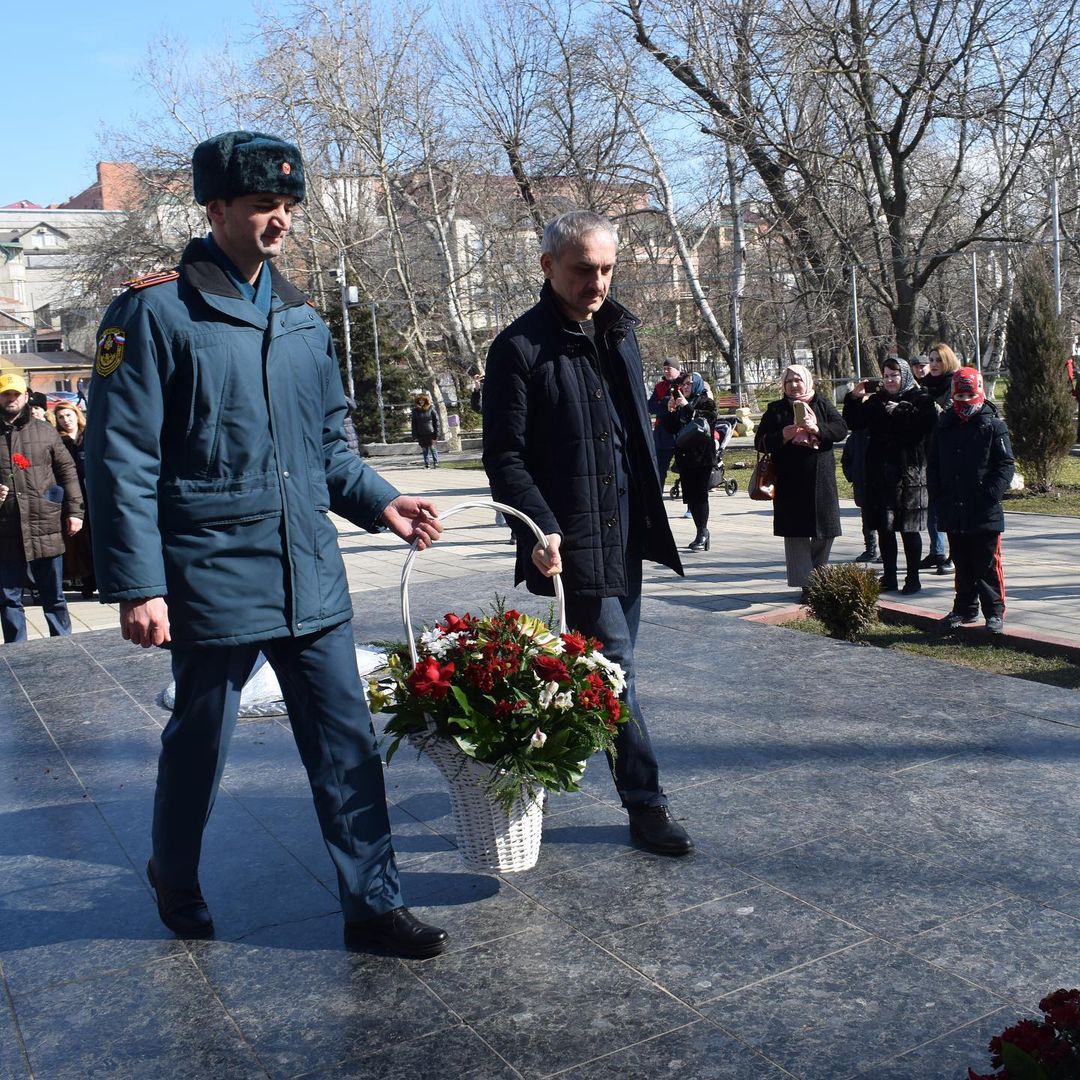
x: 505, y: 707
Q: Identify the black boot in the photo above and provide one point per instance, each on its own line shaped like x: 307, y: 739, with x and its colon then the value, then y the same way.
x: 700, y: 542
x: 889, y: 582
x: 911, y: 583
x: 870, y: 551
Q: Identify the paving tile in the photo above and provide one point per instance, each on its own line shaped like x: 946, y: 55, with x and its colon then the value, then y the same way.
x: 1018, y: 950
x: 838, y: 1016
x: 633, y: 887
x: 13, y: 1061
x: 302, y: 1002
x: 102, y: 921
x: 547, y: 998
x: 878, y: 888
x: 36, y: 663
x: 725, y: 944
x: 455, y: 1054
x: 118, y: 764
x: 698, y: 1050
x: 152, y: 1020
x: 36, y: 776
x: 79, y: 717
x: 949, y: 1056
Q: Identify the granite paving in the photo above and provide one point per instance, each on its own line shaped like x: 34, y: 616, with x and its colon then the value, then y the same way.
x: 887, y: 873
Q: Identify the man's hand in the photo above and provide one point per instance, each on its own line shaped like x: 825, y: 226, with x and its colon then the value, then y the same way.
x: 548, y: 560
x: 413, y: 519
x: 74, y: 524
x: 145, y: 622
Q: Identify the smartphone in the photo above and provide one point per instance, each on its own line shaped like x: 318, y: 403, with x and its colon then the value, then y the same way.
x: 872, y: 385
x: 800, y: 412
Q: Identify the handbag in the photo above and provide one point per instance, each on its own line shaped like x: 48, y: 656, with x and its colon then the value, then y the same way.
x: 762, y: 486
x: 693, y: 433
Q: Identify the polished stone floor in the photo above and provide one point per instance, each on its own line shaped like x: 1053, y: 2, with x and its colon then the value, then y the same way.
x: 887, y: 873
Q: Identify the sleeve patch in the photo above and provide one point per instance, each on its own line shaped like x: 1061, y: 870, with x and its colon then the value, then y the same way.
x: 110, y: 350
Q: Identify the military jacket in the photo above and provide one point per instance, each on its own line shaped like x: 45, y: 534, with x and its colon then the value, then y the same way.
x: 215, y: 452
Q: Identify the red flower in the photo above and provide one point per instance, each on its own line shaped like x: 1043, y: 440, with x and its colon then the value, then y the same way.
x: 574, y: 643
x: 453, y: 623
x: 551, y: 669
x: 22, y: 462
x: 431, y: 679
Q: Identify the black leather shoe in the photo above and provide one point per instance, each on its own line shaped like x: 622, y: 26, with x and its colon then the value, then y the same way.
x: 398, y: 932
x: 911, y: 584
x: 654, y: 828
x: 931, y: 562
x: 183, y: 911
x: 889, y: 583
x: 946, y: 567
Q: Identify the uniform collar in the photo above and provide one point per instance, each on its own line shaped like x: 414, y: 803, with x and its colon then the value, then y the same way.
x: 610, y: 315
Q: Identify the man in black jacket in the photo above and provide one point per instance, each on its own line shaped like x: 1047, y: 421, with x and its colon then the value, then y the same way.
x: 567, y: 441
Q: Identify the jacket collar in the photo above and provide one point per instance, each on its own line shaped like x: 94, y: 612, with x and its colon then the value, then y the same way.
x: 611, y: 314
x: 202, y: 272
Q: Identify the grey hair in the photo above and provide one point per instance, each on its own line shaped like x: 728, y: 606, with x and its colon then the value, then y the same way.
x: 571, y: 228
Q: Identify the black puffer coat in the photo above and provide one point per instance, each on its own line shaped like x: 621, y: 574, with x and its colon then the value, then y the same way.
x: 894, y: 488
x: 548, y: 450
x: 969, y: 470
x: 43, y: 495
x: 806, y: 502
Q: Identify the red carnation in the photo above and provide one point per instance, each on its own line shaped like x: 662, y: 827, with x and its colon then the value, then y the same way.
x: 574, y: 643
x: 22, y: 462
x: 431, y: 679
x: 551, y: 669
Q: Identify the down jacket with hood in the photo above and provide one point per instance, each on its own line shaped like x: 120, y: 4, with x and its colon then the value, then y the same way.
x: 44, y: 492
x: 549, y: 451
x: 215, y: 452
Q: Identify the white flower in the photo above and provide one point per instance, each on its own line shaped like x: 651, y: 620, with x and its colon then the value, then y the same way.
x: 549, y: 691
x: 538, y: 739
x: 436, y: 643
x: 615, y: 674
x: 562, y: 702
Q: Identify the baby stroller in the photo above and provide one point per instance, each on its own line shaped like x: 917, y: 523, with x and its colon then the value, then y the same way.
x: 722, y: 432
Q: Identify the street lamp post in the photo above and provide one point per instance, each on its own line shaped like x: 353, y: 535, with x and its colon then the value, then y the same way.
x: 346, y: 332
x: 378, y: 375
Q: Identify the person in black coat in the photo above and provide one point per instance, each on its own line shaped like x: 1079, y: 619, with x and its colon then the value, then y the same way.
x: 425, y: 428
x: 696, y: 458
x: 663, y: 439
x: 941, y: 365
x: 806, y: 507
x: 968, y: 472
x: 568, y: 442
x: 898, y: 417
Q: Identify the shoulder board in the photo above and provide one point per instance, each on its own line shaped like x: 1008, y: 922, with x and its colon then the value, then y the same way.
x: 157, y: 278
x: 310, y: 303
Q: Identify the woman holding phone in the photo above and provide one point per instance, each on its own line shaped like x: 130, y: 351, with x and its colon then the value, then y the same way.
x: 898, y: 418
x: 799, y: 431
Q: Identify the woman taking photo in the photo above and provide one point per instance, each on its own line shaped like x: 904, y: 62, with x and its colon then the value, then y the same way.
x: 799, y: 432
x: 425, y: 428
x: 898, y: 418
x: 695, y: 459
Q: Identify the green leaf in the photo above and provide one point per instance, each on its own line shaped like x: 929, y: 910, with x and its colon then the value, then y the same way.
x: 1020, y: 1065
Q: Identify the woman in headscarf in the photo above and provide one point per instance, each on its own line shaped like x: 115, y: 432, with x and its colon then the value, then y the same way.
x: 898, y: 418
x: 696, y: 458
x: 425, y: 428
x: 799, y: 431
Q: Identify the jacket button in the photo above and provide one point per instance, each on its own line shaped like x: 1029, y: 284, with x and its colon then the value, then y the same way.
x: 622, y: 491
x: 598, y: 393
x: 603, y: 436
x: 299, y: 626
x: 608, y: 478
x: 285, y: 473
x: 611, y: 523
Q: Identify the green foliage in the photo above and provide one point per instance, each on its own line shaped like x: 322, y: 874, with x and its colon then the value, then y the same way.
x: 844, y: 598
x: 1038, y: 406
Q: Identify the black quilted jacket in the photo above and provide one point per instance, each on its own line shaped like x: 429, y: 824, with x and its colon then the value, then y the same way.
x: 548, y: 451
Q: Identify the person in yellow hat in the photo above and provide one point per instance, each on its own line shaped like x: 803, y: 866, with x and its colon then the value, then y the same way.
x: 40, y: 501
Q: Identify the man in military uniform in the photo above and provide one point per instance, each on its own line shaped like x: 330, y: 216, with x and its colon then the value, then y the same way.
x: 215, y: 452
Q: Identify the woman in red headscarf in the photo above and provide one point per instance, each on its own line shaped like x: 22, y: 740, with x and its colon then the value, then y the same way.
x: 969, y: 469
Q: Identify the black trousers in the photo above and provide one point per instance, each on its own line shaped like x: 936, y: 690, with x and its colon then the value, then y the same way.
x: 980, y: 578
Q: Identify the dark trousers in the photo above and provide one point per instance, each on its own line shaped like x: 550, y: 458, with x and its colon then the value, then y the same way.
x: 912, y: 542
x: 980, y: 578
x: 614, y: 621
x: 333, y: 732
x: 48, y: 575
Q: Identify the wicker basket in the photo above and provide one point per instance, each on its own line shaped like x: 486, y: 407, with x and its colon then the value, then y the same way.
x: 489, y: 837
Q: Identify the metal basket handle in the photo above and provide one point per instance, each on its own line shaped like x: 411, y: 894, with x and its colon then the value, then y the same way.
x: 473, y: 504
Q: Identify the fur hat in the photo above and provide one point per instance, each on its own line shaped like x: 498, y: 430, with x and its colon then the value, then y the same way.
x: 38, y: 400
x: 246, y: 163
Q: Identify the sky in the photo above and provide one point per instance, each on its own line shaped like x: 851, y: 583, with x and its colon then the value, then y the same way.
x: 73, y: 69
